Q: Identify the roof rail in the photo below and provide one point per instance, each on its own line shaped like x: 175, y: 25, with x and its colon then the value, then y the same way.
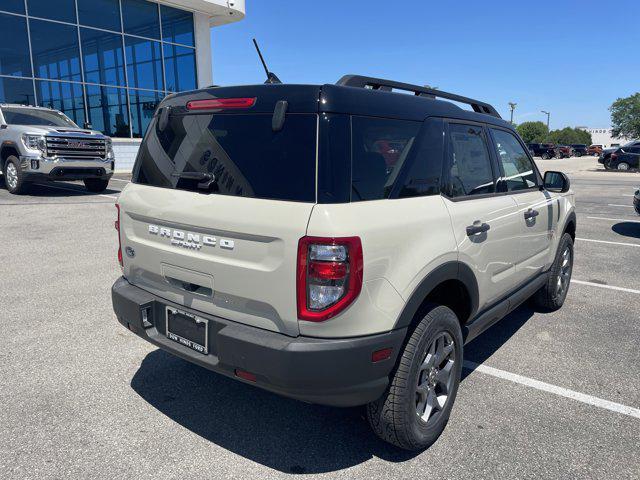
x: 361, y: 81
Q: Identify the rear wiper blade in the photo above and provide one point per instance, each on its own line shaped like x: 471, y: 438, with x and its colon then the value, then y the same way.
x: 205, y: 180
x: 193, y: 175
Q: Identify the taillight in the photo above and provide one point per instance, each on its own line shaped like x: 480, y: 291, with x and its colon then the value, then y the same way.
x: 614, y: 156
x: 117, y: 226
x: 221, y: 103
x: 329, y: 276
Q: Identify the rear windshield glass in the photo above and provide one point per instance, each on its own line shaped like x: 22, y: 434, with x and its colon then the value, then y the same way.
x: 232, y: 154
x: 34, y: 116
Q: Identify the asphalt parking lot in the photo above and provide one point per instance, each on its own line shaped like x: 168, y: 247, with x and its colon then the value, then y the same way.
x: 545, y: 395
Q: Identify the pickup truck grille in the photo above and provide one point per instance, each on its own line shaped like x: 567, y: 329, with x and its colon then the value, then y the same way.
x: 74, y: 147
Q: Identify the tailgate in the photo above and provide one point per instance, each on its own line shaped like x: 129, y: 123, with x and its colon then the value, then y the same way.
x: 233, y: 257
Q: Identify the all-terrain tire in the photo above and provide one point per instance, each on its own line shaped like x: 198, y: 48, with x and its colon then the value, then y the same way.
x: 551, y: 297
x: 393, y: 417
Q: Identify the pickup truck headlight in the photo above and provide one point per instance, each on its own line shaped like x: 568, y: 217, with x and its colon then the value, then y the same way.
x: 110, y: 154
x: 35, y: 142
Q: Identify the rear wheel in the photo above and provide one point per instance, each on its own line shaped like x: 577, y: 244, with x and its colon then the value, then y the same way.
x: 14, y: 176
x: 552, y: 295
x: 578, y: 154
x: 545, y: 156
x: 414, y: 410
x: 96, y: 185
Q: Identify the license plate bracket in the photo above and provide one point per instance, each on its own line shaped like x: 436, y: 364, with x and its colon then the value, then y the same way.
x: 187, y: 329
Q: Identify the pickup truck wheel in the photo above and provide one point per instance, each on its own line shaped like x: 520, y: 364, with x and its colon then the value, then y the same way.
x: 14, y: 177
x: 552, y: 295
x: 414, y: 410
x: 96, y: 185
x: 545, y: 156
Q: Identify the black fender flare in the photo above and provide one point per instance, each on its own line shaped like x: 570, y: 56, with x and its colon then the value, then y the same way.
x: 453, y: 270
x: 571, y: 218
x: 7, y: 144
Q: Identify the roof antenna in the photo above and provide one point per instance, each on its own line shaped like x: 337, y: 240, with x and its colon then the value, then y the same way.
x: 271, y: 77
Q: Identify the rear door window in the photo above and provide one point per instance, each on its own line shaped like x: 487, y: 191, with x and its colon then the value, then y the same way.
x: 469, y: 164
x: 242, y: 154
x: 379, y: 149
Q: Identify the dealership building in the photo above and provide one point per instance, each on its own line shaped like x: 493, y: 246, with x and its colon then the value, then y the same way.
x: 108, y: 62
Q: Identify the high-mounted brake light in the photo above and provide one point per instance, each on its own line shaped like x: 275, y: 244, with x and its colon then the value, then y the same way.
x: 329, y: 277
x: 117, y: 227
x: 221, y: 103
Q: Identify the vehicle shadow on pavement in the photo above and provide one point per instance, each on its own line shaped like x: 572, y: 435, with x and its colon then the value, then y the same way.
x: 627, y: 229
x: 280, y: 433
x: 59, y: 190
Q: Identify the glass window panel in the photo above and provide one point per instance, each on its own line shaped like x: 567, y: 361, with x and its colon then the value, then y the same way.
x: 14, y: 46
x: 15, y: 6
x: 140, y: 17
x: 108, y: 110
x: 469, y: 167
x: 177, y: 25
x: 519, y: 173
x: 55, y: 50
x: 100, y: 13
x: 180, y: 68
x: 102, y: 55
x: 144, y: 63
x: 16, y: 90
x: 64, y: 96
x: 63, y: 10
x: 143, y: 105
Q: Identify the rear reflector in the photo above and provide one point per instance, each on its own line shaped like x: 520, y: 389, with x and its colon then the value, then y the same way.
x: 250, y: 377
x: 221, y: 103
x: 380, y: 355
x: 117, y: 227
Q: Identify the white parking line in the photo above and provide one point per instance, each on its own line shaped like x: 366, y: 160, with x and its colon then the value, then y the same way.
x: 547, y: 387
x: 616, y: 205
x: 608, y: 242
x: 127, y: 181
x: 614, y: 219
x: 608, y: 287
x: 77, y: 191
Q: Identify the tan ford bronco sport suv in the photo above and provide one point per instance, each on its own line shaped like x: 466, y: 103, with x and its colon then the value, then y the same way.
x: 338, y: 244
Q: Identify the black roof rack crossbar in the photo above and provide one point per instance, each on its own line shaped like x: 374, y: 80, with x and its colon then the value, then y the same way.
x: 361, y: 81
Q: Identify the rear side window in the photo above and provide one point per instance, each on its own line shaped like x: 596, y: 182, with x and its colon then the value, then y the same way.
x: 379, y: 149
x: 518, y: 171
x: 469, y: 165
x: 241, y: 152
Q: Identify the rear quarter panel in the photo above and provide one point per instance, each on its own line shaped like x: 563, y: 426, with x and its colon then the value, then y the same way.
x: 402, y: 240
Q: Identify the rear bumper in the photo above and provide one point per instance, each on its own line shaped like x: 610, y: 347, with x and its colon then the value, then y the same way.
x: 336, y: 372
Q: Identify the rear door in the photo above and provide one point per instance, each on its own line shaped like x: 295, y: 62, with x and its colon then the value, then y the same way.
x: 520, y: 180
x: 213, y: 216
x: 485, y: 223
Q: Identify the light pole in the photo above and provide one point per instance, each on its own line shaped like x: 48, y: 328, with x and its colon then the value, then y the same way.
x: 512, y: 106
x: 548, y: 114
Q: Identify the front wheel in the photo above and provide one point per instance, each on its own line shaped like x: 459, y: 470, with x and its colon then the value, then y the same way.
x: 96, y: 185
x: 414, y: 410
x: 14, y: 176
x: 554, y: 292
x: 545, y: 156
x: 623, y: 166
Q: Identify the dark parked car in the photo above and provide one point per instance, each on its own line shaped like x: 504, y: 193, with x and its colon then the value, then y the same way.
x: 564, y: 151
x: 625, y: 158
x: 579, y: 149
x: 605, y: 155
x: 544, y: 150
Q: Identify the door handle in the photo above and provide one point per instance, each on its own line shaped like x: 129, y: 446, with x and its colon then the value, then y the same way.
x: 531, y: 213
x: 477, y: 228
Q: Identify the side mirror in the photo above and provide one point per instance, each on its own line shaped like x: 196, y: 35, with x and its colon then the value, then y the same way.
x: 88, y: 126
x: 556, y: 182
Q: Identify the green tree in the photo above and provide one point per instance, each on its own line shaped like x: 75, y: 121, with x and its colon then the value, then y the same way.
x: 533, y: 132
x: 625, y: 116
x: 568, y: 136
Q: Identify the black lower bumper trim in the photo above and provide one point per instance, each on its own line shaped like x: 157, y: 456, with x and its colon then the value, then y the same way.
x: 337, y: 372
x: 69, y: 173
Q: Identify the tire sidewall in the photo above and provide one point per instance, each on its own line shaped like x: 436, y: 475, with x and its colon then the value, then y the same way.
x: 20, y: 184
x: 440, y: 319
x: 565, y: 241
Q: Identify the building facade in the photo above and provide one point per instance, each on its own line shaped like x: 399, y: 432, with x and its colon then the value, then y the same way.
x: 604, y: 136
x: 107, y: 63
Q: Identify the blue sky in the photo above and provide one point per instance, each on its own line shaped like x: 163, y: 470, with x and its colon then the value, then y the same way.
x: 571, y: 57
